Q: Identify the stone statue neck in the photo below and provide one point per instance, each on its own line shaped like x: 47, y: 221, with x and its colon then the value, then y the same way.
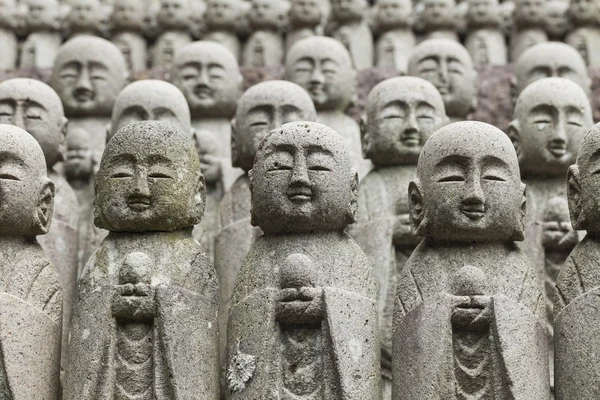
x: 474, y: 246
x: 181, y: 234
x: 15, y: 241
x: 318, y: 234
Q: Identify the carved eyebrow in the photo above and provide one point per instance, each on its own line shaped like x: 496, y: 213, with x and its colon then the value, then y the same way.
x: 315, y: 148
x: 544, y: 108
x: 215, y: 65
x: 429, y: 57
x: 453, y: 159
x: 72, y: 64
x: 30, y: 103
x: 122, y: 159
x: 594, y: 157
x: 266, y: 108
x: 326, y: 59
x: 395, y: 103
x: 281, y: 147
x: 425, y: 104
x: 495, y: 161
x: 98, y: 65
x: 8, y: 157
x: 159, y: 158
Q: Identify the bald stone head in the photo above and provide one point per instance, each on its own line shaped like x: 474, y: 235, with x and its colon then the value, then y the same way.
x: 80, y: 162
x: 303, y: 181
x: 438, y: 15
x: 263, y: 108
x: 468, y: 186
x: 174, y: 14
x: 88, y: 74
x: 550, y: 118
x: 266, y: 14
x: 149, y: 180
x: 8, y: 12
x: 85, y: 15
x: 551, y: 59
x: 221, y: 14
x: 323, y: 67
x: 529, y: 13
x: 150, y: 100
x: 391, y: 14
x: 584, y: 12
x: 42, y: 15
x: 345, y: 11
x: 129, y: 15
x: 583, y: 184
x: 557, y: 18
x: 33, y: 106
x: 401, y: 114
x: 483, y: 13
x: 307, y: 13
x: 448, y: 65
x: 26, y: 193
x: 209, y: 76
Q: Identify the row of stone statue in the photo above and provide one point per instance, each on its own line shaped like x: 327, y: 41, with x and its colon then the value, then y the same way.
x: 485, y: 26
x: 401, y: 114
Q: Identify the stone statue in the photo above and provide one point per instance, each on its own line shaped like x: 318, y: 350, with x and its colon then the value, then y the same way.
x: 448, y: 65
x: 557, y: 19
x: 585, y: 37
x: 128, y: 22
x: 529, y: 24
x: 396, y: 39
x: 305, y: 18
x: 438, y: 19
x: 401, y: 114
x: 293, y: 331
x: 88, y: 74
x: 323, y: 67
x: 262, y: 108
x: 33, y: 106
x: 209, y: 77
x: 547, y: 131
x: 10, y: 44
x: 43, y: 23
x: 352, y: 29
x: 485, y: 40
x: 145, y: 316
x: 265, y: 46
x: 221, y: 18
x: 85, y: 18
x: 469, y: 307
x: 507, y: 11
x: 30, y: 293
x: 551, y: 59
x: 576, y: 320
x: 173, y: 22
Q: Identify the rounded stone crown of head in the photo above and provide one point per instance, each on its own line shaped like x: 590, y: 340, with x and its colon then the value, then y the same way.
x: 303, y: 181
x: 88, y: 74
x: 26, y: 193
x: 551, y: 59
x: 209, y: 76
x: 263, y: 107
x: 35, y: 107
x: 468, y: 186
x: 149, y: 180
x: 150, y: 100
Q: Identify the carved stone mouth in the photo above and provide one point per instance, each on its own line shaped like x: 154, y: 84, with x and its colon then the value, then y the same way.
x: 558, y: 150
x: 139, y: 203
x: 301, y: 195
x: 473, y: 211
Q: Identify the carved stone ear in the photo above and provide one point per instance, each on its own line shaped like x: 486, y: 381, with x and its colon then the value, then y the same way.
x: 416, y: 207
x: 574, y: 197
x: 365, y: 138
x: 353, y: 206
x: 513, y: 90
x: 519, y: 233
x: 199, y: 200
x: 235, y: 151
x: 62, y: 145
x: 514, y: 136
x: 45, y: 208
x: 108, y: 130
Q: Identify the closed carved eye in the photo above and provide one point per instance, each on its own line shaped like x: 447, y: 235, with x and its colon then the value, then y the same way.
x: 452, y: 178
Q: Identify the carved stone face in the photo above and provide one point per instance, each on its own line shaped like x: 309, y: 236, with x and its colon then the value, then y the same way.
x: 483, y: 12
x: 401, y: 115
x: 468, y: 186
x: 322, y: 66
x: 209, y: 77
x: 302, y: 181
x: 129, y: 15
x: 89, y: 72
x: 557, y: 19
x: 529, y: 12
x: 305, y: 12
x: 393, y: 13
x: 348, y: 10
x: 8, y: 9
x: 79, y: 164
x: 548, y: 128
x: 448, y: 65
x: 42, y: 14
x: 263, y: 108
x: 26, y: 194
x: 150, y: 100
x: 149, y: 180
x: 173, y: 14
x: 221, y: 13
x: 583, y: 12
x: 551, y: 59
x: 85, y: 14
x: 264, y: 14
x: 33, y: 106
x: 438, y: 14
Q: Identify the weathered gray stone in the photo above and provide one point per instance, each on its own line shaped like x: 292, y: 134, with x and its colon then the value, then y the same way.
x: 30, y: 293
x: 128, y: 22
x: 438, y: 19
x: 323, y: 67
x: 468, y: 317
x: 576, y: 332
x: 529, y: 26
x: 220, y: 19
x: 174, y: 19
x: 396, y: 39
x: 41, y: 46
x: 265, y: 46
x: 33, y: 106
x: 448, y: 65
x: 485, y: 41
x: 84, y: 18
x: 305, y: 18
x: 585, y: 35
x: 10, y: 45
x: 145, y: 315
x: 557, y: 19
x: 292, y: 329
x: 353, y: 31
x: 209, y: 77
x: 400, y: 115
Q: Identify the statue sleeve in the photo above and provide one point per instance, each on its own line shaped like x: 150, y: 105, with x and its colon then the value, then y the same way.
x: 569, y: 284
